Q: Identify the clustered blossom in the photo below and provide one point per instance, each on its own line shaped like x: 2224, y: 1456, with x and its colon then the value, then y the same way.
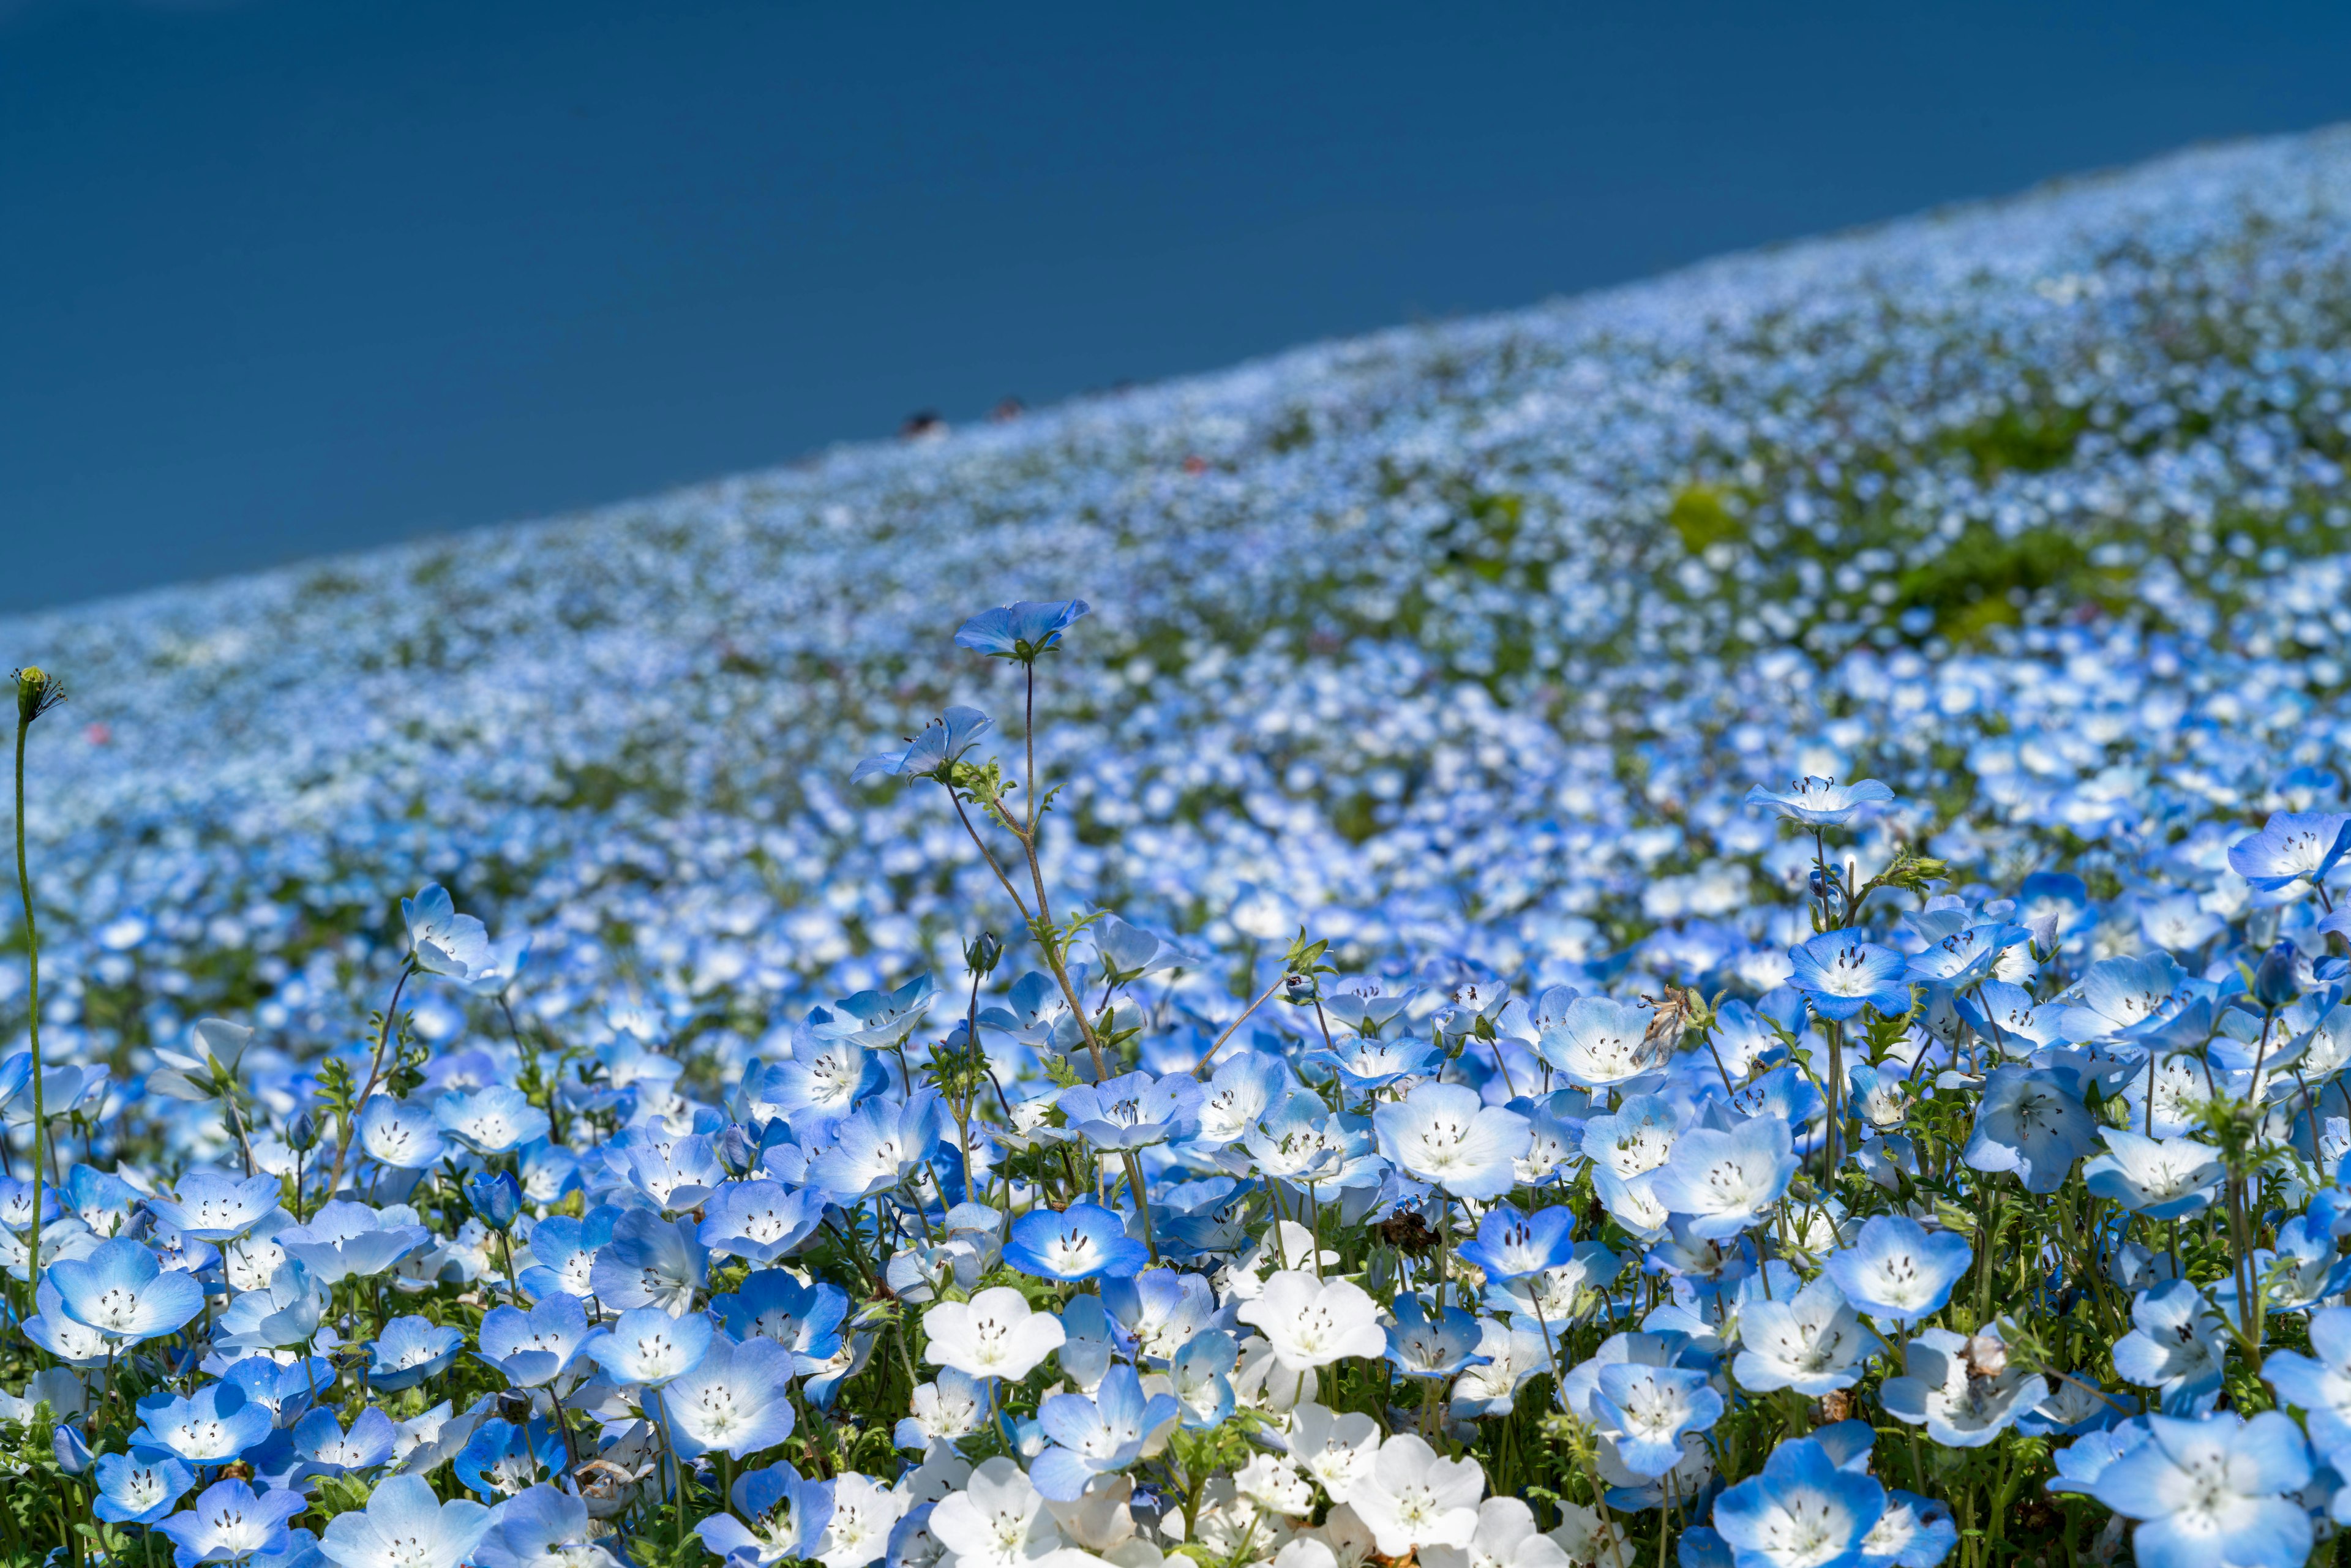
x: 1517, y: 1093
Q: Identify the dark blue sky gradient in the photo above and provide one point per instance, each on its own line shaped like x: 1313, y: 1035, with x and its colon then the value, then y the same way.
x: 288, y: 276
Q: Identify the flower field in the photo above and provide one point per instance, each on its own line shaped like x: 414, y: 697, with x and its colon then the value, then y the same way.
x: 1697, y: 924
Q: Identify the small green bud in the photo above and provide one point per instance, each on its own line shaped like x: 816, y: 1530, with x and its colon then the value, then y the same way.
x: 37, y: 692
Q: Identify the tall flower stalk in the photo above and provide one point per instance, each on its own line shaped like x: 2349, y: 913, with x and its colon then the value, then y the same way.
x: 36, y: 692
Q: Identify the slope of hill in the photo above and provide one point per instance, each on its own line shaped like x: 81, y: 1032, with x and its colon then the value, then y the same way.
x: 1461, y: 643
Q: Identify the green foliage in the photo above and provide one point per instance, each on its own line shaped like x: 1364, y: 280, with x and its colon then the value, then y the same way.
x: 1700, y: 515
x: 1976, y: 583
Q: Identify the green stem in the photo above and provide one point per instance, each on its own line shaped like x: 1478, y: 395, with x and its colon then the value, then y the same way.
x: 33, y: 965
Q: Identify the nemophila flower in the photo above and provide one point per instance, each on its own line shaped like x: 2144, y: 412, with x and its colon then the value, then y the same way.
x: 876, y: 1147
x: 211, y: 1207
x: 211, y: 1426
x: 759, y: 1221
x: 1820, y: 802
x: 1725, y: 1182
x: 1202, y: 1376
x: 2118, y: 998
x: 2163, y: 1180
x: 787, y: 1516
x: 942, y: 1411
x: 2214, y: 1490
x: 2030, y: 1124
x: 1507, y: 1537
x: 1364, y: 1064
x: 946, y: 740
x: 803, y: 1318
x: 2303, y: 1269
x: 1161, y: 1309
x: 1312, y: 1321
x: 139, y: 1488
x: 542, y: 1527
x: 319, y: 1438
x: 501, y: 1459
x: 102, y: 1200
x: 2291, y: 847
x: 443, y: 941
x: 821, y: 1083
x: 345, y: 1240
x: 1960, y: 950
x: 120, y: 1290
x: 1896, y: 1271
x: 1336, y: 1449
x: 647, y: 1346
x: 864, y: 1514
x: 563, y: 1251
x: 1804, y: 1511
x: 1022, y: 630
x: 405, y: 1526
x: 2318, y: 1385
x: 493, y: 1120
x: 1599, y: 1043
x: 1412, y: 1498
x: 1840, y: 974
x: 1301, y: 1141
x: 2178, y: 1345
x: 1812, y: 1341
x: 1443, y: 1134
x: 1632, y: 1204
x: 285, y: 1314
x: 1419, y: 1345
x: 1082, y: 1241
x: 1507, y: 1356
x: 1512, y: 1244
x: 401, y: 1134
x: 1913, y: 1533
x: 995, y: 1335
x: 1094, y: 1436
x: 411, y: 1350
x: 1647, y: 1408
x: 1133, y: 1111
x: 495, y: 1198
x: 651, y: 1261
x: 230, y: 1522
x: 534, y: 1347
x: 1965, y: 1391
x: 999, y: 1520
x: 735, y: 1400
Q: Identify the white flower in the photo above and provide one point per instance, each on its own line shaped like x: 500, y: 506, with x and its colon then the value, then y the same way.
x: 1272, y: 1481
x: 994, y: 1334
x: 1336, y: 1450
x: 1506, y: 1538
x: 1313, y: 1323
x: 999, y: 1520
x: 1411, y: 1498
x: 863, y: 1512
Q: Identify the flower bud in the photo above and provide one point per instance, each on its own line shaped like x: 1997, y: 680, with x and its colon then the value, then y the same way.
x: 37, y: 692
x: 2275, y: 982
x: 302, y: 1133
x: 496, y: 1200
x: 983, y: 953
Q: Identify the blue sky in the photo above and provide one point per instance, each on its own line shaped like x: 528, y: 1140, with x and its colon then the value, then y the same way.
x: 289, y: 276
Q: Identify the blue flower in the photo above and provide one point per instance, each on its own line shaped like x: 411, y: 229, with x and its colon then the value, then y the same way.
x: 735, y: 1400
x: 501, y: 1459
x: 443, y: 941
x: 1202, y: 1372
x: 1082, y: 1241
x: 139, y: 1487
x: 1812, y: 1342
x: 1022, y: 630
x: 564, y: 1253
x: 2178, y: 1345
x: 931, y: 753
x: 404, y: 1525
x: 1895, y: 1271
x: 495, y: 1198
x: 1840, y: 974
x: 1820, y: 802
x: 2028, y: 1123
x: 1510, y: 1245
x: 2320, y: 1386
x: 1646, y: 1410
x: 647, y: 1346
x: 411, y: 1350
x: 537, y: 1528
x: 231, y: 1523
x: 2293, y: 846
x: 1913, y: 1533
x: 1132, y: 1112
x: 806, y: 1319
x: 534, y: 1347
x: 788, y: 1518
x: 759, y: 1221
x: 211, y: 1207
x: 1725, y: 1182
x: 1802, y: 1511
x: 651, y: 1261
x: 1600, y: 1043
x: 2214, y: 1489
x: 1095, y: 1436
x: 2163, y: 1180
x: 1964, y: 1391
x: 122, y: 1290
x: 212, y: 1426
x: 352, y: 1240
x: 319, y: 1438
x: 1432, y: 1348
x: 877, y: 1148
x: 401, y: 1134
x: 493, y: 1120
x: 1443, y: 1135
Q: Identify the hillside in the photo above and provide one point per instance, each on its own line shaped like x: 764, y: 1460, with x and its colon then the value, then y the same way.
x: 1461, y: 643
